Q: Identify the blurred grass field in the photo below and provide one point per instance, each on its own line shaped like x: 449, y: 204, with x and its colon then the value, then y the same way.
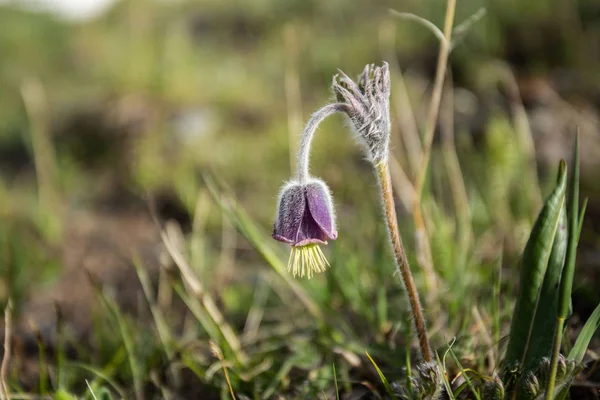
x: 181, y: 119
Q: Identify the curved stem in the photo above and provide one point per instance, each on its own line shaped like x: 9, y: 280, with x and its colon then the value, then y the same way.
x: 307, y: 135
x: 402, y: 266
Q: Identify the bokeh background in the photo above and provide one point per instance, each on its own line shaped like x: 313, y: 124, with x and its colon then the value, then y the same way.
x: 110, y: 107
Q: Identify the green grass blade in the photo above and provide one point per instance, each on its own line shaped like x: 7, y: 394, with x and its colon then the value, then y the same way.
x: 128, y: 342
x: 566, y: 283
x: 101, y: 376
x: 60, y: 350
x: 442, y: 366
x: 534, y: 264
x: 581, y: 215
x: 464, y: 374
x: 384, y: 380
x: 337, y: 390
x: 585, y: 336
x: 199, y: 312
x: 160, y: 321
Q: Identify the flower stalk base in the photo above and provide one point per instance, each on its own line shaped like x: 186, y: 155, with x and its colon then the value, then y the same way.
x: 387, y: 197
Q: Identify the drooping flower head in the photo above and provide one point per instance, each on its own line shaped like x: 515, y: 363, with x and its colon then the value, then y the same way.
x: 305, y: 219
x: 305, y: 215
x: 367, y: 104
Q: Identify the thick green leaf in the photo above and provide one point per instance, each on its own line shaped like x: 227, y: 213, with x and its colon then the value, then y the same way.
x: 544, y: 323
x: 534, y: 263
x: 585, y: 336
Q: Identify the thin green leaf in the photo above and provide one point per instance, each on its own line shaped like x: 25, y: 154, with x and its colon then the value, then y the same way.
x: 162, y: 327
x: 60, y: 353
x: 128, y: 342
x: 534, y: 263
x: 384, y: 380
x: 442, y: 366
x: 337, y: 390
x: 105, y: 374
x: 100, y: 375
x: 464, y: 374
x: 581, y: 215
x: 585, y: 336
x: 566, y: 282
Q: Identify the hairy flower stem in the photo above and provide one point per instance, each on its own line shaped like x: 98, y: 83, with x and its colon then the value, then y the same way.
x: 402, y: 266
x: 302, y: 173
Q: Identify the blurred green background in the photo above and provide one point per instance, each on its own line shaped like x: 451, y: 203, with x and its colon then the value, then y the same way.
x: 102, y: 116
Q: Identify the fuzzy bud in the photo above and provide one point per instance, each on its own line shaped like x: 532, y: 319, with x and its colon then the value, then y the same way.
x: 368, y: 106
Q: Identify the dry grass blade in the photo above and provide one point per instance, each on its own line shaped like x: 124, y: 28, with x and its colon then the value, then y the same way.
x: 217, y: 353
x: 485, y: 333
x: 424, y: 22
x: 405, y: 116
x: 160, y: 321
x: 461, y: 30
x: 401, y: 184
x: 34, y: 99
x: 198, y: 290
x: 6, y: 357
x: 436, y: 96
x: 455, y: 175
x: 423, y: 248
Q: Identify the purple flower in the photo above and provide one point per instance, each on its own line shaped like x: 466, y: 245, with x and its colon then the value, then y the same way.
x: 305, y: 214
x: 305, y: 219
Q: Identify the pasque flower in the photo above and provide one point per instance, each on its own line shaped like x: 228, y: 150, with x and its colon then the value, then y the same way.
x: 305, y: 216
x: 305, y: 219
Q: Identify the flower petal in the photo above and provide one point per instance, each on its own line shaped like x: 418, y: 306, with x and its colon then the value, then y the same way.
x: 290, y: 213
x: 310, y: 232
x: 321, y: 207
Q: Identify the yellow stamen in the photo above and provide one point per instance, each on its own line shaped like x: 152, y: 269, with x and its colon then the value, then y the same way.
x: 307, y: 260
